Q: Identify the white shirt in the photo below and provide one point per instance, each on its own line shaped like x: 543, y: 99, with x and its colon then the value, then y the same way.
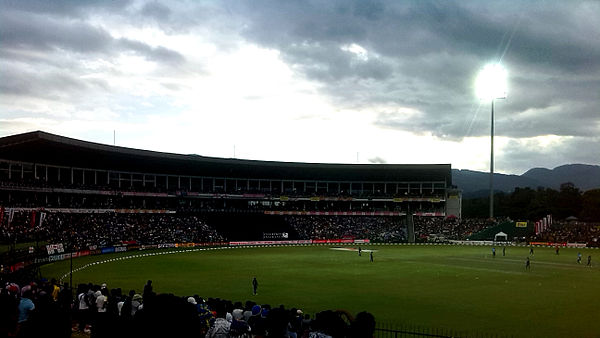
x: 100, y: 303
x: 82, y: 303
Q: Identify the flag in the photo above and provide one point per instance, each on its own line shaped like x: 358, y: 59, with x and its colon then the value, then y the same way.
x: 32, y: 218
x: 1, y: 215
x: 42, y: 218
x: 11, y: 215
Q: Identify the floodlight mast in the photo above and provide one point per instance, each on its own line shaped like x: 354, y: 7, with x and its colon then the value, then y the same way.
x: 491, y: 84
x: 492, y: 164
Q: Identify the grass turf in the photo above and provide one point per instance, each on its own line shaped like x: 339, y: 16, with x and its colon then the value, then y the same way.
x: 440, y: 287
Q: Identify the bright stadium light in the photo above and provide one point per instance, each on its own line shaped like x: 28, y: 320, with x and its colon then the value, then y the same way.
x: 490, y: 85
x: 491, y: 82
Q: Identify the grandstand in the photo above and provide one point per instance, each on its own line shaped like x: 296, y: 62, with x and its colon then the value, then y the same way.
x: 81, y: 198
x: 39, y: 170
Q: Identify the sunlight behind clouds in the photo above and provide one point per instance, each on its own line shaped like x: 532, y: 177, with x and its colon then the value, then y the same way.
x: 306, y: 82
x: 359, y: 52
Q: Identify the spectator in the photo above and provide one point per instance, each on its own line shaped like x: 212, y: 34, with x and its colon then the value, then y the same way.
x: 363, y: 325
x: 220, y: 327
x: 239, y: 327
x: 25, y: 306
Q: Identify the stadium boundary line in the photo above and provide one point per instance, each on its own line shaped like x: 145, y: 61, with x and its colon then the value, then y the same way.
x: 85, y: 266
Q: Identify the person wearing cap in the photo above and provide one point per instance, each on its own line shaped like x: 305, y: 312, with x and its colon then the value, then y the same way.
x: 102, y: 323
x: 248, y: 310
x: 136, y: 303
x: 220, y: 327
x: 255, y: 321
x: 192, y: 300
x: 238, y: 327
x: 83, y: 309
x: 13, y: 289
x: 100, y: 301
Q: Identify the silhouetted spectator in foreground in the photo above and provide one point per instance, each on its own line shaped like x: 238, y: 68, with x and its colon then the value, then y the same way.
x: 238, y: 327
x: 147, y: 289
x: 220, y: 328
x: 363, y: 325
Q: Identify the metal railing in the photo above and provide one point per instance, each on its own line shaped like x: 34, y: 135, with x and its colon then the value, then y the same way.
x: 388, y: 330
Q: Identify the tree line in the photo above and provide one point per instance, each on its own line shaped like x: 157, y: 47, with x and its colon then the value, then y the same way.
x: 533, y: 204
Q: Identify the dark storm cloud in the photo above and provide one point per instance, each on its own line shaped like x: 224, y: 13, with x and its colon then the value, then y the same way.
x: 420, y: 56
x: 429, y: 53
x: 37, y: 49
x: 156, y: 10
x: 21, y: 31
x: 331, y: 64
x: 66, y: 8
x: 50, y: 84
x: 159, y: 54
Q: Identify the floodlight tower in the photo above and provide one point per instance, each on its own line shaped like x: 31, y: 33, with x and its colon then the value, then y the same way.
x: 491, y: 85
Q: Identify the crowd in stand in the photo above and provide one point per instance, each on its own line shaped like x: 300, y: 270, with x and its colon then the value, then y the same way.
x: 107, y: 229
x: 113, y: 229
x: 381, y: 228
x: 275, y: 190
x: 48, y: 309
x: 449, y: 228
x: 562, y: 232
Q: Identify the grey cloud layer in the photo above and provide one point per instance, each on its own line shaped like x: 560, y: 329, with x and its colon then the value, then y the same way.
x: 422, y: 55
x: 38, y: 47
x: 429, y: 54
x: 27, y: 31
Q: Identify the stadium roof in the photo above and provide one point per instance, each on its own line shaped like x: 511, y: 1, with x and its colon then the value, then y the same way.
x: 45, y: 148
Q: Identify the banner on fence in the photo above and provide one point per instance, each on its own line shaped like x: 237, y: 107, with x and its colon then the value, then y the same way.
x: 83, y: 253
x: 335, y: 213
x: 270, y: 242
x: 275, y: 235
x: 108, y: 250
x: 55, y: 248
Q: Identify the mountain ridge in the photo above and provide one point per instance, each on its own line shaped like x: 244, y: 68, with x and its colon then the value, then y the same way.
x: 476, y: 183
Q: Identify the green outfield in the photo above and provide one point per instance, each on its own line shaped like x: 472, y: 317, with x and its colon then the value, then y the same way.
x: 446, y: 287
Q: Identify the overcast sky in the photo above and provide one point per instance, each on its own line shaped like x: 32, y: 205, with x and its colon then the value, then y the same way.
x: 308, y: 81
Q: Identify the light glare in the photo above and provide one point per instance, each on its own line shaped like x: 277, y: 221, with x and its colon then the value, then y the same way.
x: 491, y: 82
